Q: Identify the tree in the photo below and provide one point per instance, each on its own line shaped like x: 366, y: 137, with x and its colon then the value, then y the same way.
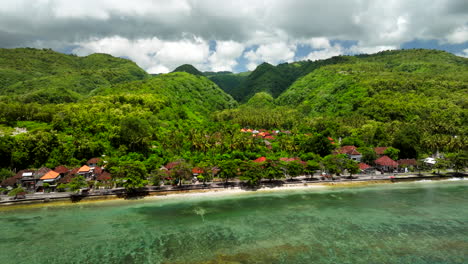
x: 368, y: 155
x: 311, y: 167
x: 272, y: 169
x: 134, y: 132
x: 182, y: 171
x: 441, y: 164
x: 335, y: 164
x: 16, y: 191
x: 252, y: 172
x: 293, y: 168
x: 458, y: 160
x: 229, y: 168
x: 130, y: 174
x: 352, y: 167
x: 392, y: 153
x: 77, y: 183
x: 5, y: 173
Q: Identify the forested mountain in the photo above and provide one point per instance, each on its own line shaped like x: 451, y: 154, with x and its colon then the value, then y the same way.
x: 411, y: 99
x: 46, y: 76
x: 58, y: 109
x: 228, y: 81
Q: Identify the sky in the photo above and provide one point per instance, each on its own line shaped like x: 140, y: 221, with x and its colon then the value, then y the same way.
x: 220, y: 35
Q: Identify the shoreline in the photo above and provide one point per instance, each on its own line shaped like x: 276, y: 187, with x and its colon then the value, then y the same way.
x: 158, y: 193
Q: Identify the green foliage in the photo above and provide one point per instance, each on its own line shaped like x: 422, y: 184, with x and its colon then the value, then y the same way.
x: 458, y: 160
x: 77, y: 183
x: 16, y: 191
x: 392, y: 153
x: 5, y: 173
x: 188, y: 69
x: 251, y: 172
x: 44, y: 76
x: 61, y: 187
x: 227, y: 81
x: 229, y: 168
x: 130, y: 174
x: 352, y: 167
x: 368, y: 155
x: 335, y: 164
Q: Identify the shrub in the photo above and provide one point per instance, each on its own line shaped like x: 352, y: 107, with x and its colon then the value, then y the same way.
x: 16, y: 191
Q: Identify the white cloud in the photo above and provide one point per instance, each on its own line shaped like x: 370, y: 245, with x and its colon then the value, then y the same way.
x: 273, y: 53
x: 318, y: 43
x: 464, y: 53
x: 224, y: 58
x: 325, y: 53
x: 458, y: 36
x: 357, y: 49
x: 272, y: 28
x: 337, y: 50
x: 153, y: 55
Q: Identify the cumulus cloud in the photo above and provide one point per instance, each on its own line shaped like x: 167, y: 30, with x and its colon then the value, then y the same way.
x: 153, y: 54
x: 272, y: 53
x: 225, y: 56
x: 459, y: 35
x: 269, y: 30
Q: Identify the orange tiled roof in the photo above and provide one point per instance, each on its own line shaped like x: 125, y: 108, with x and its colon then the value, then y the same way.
x: 50, y: 175
x: 84, y: 168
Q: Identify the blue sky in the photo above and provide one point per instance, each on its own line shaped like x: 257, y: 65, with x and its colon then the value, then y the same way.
x: 217, y: 35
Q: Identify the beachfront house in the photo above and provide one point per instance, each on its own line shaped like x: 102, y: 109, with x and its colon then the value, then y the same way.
x: 92, y: 163
x: 386, y: 164
x: 406, y: 165
x: 51, y: 178
x: 351, y: 152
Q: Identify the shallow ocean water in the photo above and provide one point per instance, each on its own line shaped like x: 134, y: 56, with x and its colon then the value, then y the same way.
x: 423, y: 222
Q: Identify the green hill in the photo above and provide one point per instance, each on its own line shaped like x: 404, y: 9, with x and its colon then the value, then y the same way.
x: 196, y: 94
x: 267, y: 78
x: 391, y: 85
x: 188, y: 69
x: 46, y: 76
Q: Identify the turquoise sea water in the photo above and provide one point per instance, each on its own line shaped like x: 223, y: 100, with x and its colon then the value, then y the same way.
x: 393, y: 223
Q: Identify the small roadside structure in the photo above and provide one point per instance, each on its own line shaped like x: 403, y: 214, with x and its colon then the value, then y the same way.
x: 405, y: 164
x: 386, y: 164
x: 365, y: 168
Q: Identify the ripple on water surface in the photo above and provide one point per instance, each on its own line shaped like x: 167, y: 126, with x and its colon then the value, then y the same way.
x: 394, y: 223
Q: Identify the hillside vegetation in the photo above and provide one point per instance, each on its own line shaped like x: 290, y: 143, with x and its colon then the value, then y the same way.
x: 62, y: 109
x: 45, y: 76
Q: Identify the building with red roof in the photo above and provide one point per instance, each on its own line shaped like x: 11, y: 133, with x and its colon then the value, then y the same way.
x: 385, y: 163
x: 380, y: 150
x: 62, y: 170
x: 93, y: 162
x: 351, y: 152
x: 364, y: 166
x: 260, y: 160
